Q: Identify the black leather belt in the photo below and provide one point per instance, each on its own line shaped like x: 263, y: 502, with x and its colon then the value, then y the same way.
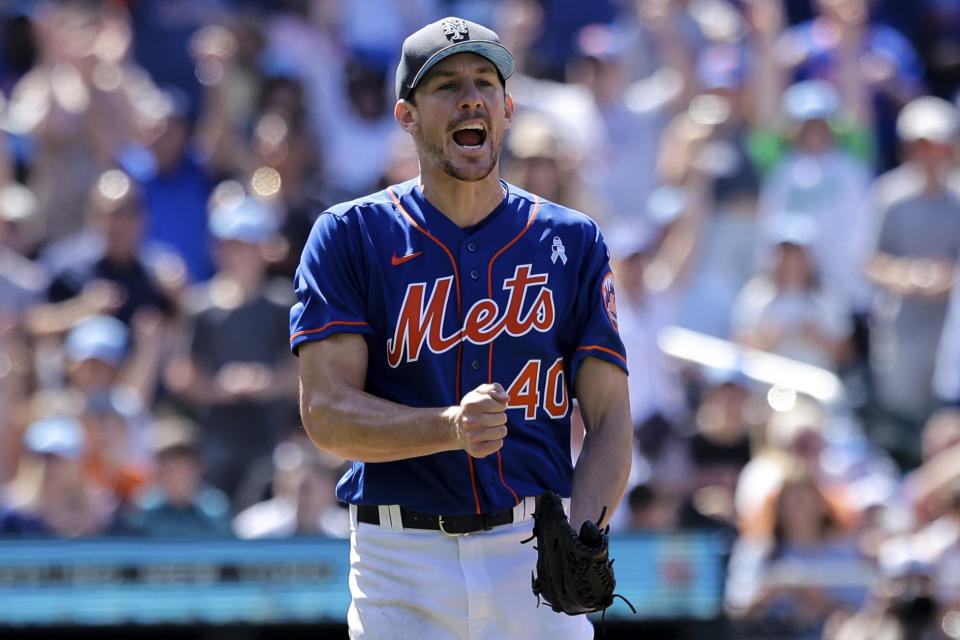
x: 451, y: 525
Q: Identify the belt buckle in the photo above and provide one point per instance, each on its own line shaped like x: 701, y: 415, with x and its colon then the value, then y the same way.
x: 445, y: 532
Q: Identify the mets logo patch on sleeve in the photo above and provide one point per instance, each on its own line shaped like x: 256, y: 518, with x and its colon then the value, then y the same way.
x: 609, y: 297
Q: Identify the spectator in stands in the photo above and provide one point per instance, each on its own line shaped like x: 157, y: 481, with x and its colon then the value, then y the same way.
x: 621, y: 170
x: 541, y: 162
x: 784, y: 311
x: 718, y: 450
x: 843, y: 46
x: 105, y: 271
x: 243, y: 389
x: 791, y: 437
x: 64, y: 503
x: 789, y: 580
x: 902, y: 603
x: 774, y: 53
x: 187, y: 147
x: 95, y: 351
x: 175, y: 185
x: 110, y: 366
x: 366, y: 121
x: 303, y: 501
x: 179, y: 504
x: 652, y: 510
x: 114, y: 460
x: 913, y: 265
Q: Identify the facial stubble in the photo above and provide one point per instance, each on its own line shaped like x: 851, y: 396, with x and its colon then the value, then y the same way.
x: 436, y: 152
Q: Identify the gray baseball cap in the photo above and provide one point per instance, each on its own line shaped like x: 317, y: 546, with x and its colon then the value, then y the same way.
x: 442, y: 39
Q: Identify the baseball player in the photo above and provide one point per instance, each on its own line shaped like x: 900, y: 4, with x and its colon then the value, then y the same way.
x: 444, y: 326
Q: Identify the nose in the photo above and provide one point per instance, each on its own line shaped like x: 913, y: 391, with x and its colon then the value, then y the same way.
x: 471, y: 98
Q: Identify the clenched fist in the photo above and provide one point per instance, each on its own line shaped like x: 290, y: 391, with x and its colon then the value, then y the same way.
x: 479, y: 421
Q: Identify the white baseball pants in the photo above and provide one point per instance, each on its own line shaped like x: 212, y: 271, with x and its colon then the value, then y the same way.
x: 414, y: 584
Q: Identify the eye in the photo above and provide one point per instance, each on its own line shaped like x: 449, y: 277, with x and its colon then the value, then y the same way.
x: 446, y: 86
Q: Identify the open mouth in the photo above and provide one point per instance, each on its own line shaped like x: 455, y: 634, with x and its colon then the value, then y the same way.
x: 470, y: 136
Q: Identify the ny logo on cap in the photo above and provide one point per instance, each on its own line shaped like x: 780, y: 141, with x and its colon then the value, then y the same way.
x: 455, y: 28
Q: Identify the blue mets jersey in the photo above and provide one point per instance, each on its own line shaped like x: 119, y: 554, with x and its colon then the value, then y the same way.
x: 520, y: 299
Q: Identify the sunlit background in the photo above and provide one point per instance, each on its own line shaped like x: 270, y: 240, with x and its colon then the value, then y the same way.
x: 779, y: 187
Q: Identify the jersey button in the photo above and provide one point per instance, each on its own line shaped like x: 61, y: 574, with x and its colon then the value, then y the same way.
x: 472, y: 246
x: 475, y: 274
x: 475, y: 364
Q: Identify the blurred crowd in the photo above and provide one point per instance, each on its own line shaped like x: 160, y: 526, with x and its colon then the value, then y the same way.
x: 776, y: 179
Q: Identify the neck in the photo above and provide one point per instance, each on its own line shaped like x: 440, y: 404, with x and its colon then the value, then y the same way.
x: 805, y: 537
x: 178, y: 500
x: 120, y: 257
x: 247, y: 285
x: 932, y: 178
x: 465, y: 203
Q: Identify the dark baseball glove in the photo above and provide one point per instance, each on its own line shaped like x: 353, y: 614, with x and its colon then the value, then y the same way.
x: 574, y: 572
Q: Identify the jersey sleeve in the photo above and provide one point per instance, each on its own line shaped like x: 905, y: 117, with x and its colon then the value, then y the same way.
x: 329, y: 281
x: 596, y: 312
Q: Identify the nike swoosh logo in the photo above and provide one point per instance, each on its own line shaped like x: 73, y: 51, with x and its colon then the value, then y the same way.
x: 396, y: 261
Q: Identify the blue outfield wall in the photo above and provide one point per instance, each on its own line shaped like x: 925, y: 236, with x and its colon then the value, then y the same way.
x: 117, y: 581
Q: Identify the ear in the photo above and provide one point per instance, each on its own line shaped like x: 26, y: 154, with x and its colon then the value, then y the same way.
x: 508, y: 109
x: 405, y: 113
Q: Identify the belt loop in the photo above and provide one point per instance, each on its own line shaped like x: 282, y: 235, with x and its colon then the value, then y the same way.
x: 354, y: 521
x: 524, y: 509
x: 396, y: 520
x: 386, y: 518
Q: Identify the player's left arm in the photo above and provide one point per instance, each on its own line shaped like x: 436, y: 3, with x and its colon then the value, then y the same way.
x: 601, y: 472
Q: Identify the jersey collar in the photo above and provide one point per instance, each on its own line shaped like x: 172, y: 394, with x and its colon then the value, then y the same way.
x: 504, y: 222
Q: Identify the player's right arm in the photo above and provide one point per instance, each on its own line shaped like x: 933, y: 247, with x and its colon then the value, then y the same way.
x: 340, y: 417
